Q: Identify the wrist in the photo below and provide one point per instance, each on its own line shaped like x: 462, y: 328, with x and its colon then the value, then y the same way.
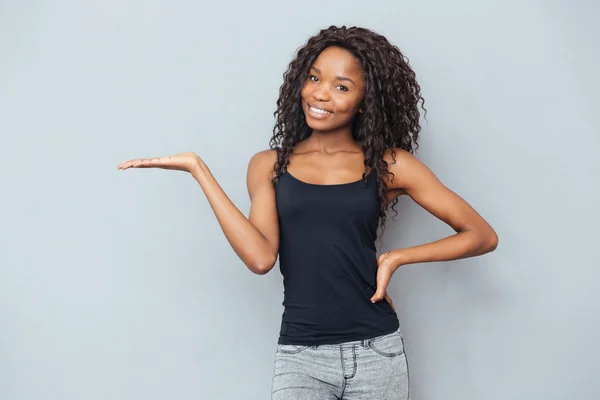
x: 400, y: 258
x: 198, y: 168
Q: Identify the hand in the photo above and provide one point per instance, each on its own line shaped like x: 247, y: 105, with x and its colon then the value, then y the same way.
x: 387, y: 265
x: 180, y: 162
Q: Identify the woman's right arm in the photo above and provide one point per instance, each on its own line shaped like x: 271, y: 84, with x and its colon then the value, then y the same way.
x: 255, y: 239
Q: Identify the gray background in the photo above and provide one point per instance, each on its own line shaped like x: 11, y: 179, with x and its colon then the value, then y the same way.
x: 121, y: 285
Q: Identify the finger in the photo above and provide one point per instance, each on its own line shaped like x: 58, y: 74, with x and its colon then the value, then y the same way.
x: 387, y: 297
x: 130, y: 164
x: 389, y: 300
x: 145, y: 163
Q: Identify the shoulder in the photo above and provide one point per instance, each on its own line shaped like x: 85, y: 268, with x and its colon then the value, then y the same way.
x: 262, y: 164
x: 405, y: 167
x: 395, y: 153
x: 264, y: 156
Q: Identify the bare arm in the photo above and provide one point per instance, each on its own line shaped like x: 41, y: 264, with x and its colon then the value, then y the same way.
x: 263, y: 210
x: 474, y: 235
x: 254, y: 240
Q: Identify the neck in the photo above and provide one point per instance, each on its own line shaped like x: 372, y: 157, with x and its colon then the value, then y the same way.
x: 332, y: 141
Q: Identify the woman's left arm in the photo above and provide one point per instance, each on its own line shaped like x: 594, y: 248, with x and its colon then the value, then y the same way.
x: 474, y: 236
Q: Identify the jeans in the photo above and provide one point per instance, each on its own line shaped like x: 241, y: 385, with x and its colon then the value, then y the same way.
x: 369, y: 369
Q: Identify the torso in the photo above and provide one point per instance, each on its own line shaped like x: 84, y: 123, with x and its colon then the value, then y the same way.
x: 337, y: 168
x: 328, y: 218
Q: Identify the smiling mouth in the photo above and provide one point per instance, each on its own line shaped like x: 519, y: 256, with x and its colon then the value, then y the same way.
x: 319, y: 111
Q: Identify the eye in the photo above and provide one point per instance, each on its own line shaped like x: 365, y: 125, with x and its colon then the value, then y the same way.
x: 311, y: 78
x: 343, y: 88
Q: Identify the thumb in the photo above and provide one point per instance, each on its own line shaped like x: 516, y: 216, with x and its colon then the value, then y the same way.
x: 380, y: 292
x: 378, y: 296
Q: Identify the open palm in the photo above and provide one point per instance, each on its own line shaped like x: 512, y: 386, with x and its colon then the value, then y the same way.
x: 181, y: 162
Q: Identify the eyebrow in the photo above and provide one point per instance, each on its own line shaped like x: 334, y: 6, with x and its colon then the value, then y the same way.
x: 339, y: 78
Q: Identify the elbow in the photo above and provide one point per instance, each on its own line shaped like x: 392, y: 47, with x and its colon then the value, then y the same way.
x: 262, y: 266
x: 262, y: 271
x: 491, y: 241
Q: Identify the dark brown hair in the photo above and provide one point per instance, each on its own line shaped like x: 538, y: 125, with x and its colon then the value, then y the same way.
x: 390, y: 117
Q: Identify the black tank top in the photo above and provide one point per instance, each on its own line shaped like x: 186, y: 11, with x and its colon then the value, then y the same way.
x: 328, y: 260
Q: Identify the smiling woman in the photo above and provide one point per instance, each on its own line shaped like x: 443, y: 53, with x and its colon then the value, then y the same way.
x: 334, y: 89
x: 347, y: 123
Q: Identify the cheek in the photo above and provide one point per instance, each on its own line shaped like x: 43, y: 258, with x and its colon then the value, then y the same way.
x: 304, y: 92
x: 347, y: 105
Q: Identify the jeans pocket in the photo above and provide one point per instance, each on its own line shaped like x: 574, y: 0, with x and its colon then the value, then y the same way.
x: 291, y: 348
x: 389, y: 345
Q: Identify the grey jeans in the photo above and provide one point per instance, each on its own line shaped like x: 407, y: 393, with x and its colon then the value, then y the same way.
x: 370, y: 369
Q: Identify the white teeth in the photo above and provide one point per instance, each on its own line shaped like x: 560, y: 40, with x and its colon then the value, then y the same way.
x: 318, y: 110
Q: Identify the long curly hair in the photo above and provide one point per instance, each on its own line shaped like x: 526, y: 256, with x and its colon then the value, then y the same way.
x: 390, y: 117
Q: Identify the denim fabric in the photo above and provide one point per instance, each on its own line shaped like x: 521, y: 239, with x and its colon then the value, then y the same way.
x: 369, y: 369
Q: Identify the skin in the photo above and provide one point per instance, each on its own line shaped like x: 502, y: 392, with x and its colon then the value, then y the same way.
x: 331, y: 156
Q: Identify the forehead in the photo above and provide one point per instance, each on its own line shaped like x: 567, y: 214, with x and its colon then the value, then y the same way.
x: 338, y: 61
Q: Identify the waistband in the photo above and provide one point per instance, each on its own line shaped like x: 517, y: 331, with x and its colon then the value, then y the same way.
x: 363, y: 342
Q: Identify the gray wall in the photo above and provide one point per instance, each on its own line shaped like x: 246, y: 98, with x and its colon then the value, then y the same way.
x: 120, y: 285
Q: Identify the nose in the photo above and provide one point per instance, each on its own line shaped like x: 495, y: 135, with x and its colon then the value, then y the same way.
x: 321, y: 94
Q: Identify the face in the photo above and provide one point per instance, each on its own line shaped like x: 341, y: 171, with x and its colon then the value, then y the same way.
x: 333, y: 90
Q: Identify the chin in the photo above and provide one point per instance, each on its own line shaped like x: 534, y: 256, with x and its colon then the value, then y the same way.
x: 325, y: 126
x: 320, y: 125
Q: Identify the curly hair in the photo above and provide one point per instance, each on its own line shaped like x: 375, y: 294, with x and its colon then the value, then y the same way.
x: 391, y: 115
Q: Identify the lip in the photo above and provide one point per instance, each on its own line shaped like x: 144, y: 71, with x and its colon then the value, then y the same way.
x: 317, y: 115
x: 319, y: 107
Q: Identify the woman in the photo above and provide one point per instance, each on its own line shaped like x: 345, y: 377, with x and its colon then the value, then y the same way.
x: 347, y: 123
